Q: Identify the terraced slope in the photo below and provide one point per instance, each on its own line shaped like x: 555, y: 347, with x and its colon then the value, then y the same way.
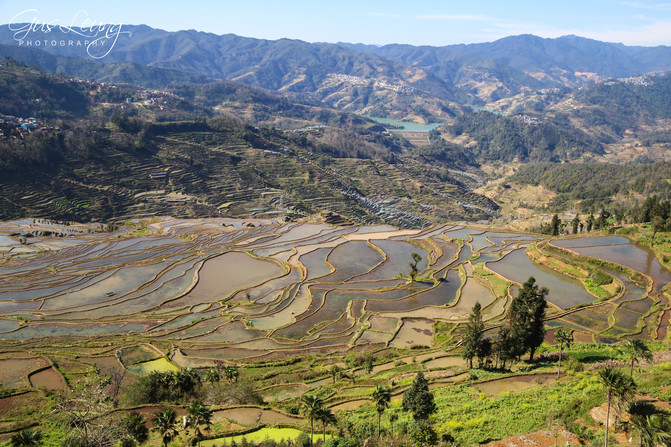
x: 263, y: 290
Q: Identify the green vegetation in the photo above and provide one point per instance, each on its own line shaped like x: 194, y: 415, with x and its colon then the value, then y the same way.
x: 258, y: 436
x: 524, y: 329
x: 594, y: 185
x: 507, y: 138
x: 474, y: 344
x: 418, y: 399
x: 340, y: 347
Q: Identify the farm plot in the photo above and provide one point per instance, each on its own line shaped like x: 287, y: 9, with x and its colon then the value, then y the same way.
x: 259, y: 290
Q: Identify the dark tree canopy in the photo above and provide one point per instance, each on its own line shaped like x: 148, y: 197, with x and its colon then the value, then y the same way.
x: 526, y: 316
x: 419, y: 399
x: 473, y: 339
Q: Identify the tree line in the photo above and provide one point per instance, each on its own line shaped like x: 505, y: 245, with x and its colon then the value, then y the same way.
x: 522, y: 332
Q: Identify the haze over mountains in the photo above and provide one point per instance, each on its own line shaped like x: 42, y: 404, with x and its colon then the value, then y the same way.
x: 433, y: 82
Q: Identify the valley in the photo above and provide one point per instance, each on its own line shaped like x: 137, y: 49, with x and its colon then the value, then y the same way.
x: 222, y: 240
x: 286, y: 303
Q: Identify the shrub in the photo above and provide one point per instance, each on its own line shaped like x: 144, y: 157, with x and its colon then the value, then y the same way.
x: 340, y: 442
x: 601, y: 279
x: 423, y: 433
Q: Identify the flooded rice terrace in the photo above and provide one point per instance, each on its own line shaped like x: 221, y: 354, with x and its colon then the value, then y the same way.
x: 250, y: 288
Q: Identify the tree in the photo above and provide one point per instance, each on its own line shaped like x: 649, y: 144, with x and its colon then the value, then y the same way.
x: 575, y: 223
x: 416, y: 259
x: 484, y: 350
x: 555, y: 225
x: 419, y: 399
x: 325, y: 416
x: 423, y: 433
x: 590, y: 222
x: 381, y: 398
x: 231, y: 373
x: 392, y: 418
x: 212, y: 376
x: 199, y: 414
x: 115, y: 386
x: 27, y: 438
x: 658, y: 224
x: 368, y: 364
x: 564, y: 338
x: 506, y: 347
x: 653, y: 426
x: 526, y: 317
x: 638, y: 350
x: 602, y: 220
x: 473, y: 337
x: 335, y: 372
x: 185, y: 381
x: 135, y: 432
x: 165, y: 422
x: 658, y: 430
x: 83, y: 403
x: 311, y: 407
x: 616, y: 384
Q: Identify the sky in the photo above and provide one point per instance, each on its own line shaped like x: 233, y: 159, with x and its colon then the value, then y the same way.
x: 379, y: 22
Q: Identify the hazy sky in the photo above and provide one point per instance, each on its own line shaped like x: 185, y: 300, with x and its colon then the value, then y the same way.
x: 417, y: 22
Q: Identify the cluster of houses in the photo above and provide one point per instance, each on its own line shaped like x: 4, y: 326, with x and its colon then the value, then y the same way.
x: 146, y: 96
x: 308, y: 129
x: 528, y: 120
x: 17, y: 127
x: 638, y: 80
x: 356, y: 80
x: 155, y: 97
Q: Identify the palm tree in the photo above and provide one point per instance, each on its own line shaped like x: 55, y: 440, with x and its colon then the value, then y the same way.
x: 638, y: 350
x: 564, y: 338
x: 381, y: 397
x: 212, y: 376
x: 231, y: 373
x: 659, y: 430
x: 135, y: 431
x: 26, y: 438
x: 653, y: 428
x: 311, y: 408
x: 199, y: 415
x: 165, y: 422
x: 185, y: 381
x: 325, y: 416
x: 616, y: 383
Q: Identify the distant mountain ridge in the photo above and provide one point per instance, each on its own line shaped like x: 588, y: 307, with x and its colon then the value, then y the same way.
x: 367, y: 83
x: 528, y: 61
x: 400, y: 81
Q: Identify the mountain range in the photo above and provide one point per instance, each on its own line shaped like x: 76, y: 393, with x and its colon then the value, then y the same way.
x: 295, y: 141
x: 400, y: 81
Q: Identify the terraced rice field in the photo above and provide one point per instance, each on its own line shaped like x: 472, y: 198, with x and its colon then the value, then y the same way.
x: 260, y: 289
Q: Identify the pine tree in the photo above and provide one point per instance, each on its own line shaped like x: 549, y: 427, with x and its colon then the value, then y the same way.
x: 575, y: 223
x: 556, y: 225
x: 419, y: 399
x: 590, y: 222
x: 526, y: 317
x: 473, y: 337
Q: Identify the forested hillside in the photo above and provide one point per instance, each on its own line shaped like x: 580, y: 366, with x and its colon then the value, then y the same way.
x: 523, y: 138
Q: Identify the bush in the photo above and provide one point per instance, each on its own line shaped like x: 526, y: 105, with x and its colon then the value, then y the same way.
x: 303, y: 440
x: 601, y: 279
x: 423, y: 433
x: 340, y: 442
x: 573, y: 364
x: 239, y: 393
